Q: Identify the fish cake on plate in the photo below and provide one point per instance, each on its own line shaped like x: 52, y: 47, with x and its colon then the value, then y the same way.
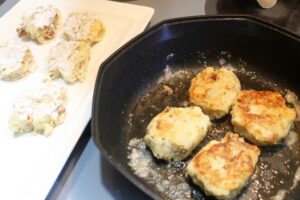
x: 39, y: 109
x: 175, y: 132
x: 16, y: 60
x: 262, y: 117
x: 40, y: 24
x: 223, y: 168
x: 214, y: 90
x: 84, y: 26
x: 69, y: 59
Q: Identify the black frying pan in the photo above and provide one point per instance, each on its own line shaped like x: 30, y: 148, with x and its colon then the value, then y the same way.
x: 133, y: 86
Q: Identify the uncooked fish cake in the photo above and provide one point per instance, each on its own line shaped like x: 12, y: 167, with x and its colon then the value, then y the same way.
x: 84, y: 26
x: 262, y: 117
x: 16, y: 60
x: 39, y: 109
x: 69, y: 59
x: 222, y: 168
x: 214, y: 90
x: 175, y: 132
x: 40, y: 23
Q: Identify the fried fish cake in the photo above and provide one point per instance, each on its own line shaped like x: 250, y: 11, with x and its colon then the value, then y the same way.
x: 262, y: 117
x: 214, y: 90
x: 175, y: 132
x: 222, y: 168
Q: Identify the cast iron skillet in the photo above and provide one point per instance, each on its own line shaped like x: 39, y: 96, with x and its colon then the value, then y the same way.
x: 134, y: 84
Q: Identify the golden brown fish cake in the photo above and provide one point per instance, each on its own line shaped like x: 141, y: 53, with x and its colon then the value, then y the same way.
x: 262, y: 117
x: 175, y: 132
x: 222, y: 168
x: 214, y: 90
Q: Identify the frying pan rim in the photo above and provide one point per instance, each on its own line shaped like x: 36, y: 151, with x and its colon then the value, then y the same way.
x: 96, y: 95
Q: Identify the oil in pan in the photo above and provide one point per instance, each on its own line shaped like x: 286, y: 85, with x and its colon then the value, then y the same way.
x: 278, y: 169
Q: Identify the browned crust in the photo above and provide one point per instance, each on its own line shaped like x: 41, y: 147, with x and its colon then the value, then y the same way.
x: 211, y: 82
x: 237, y: 167
x: 273, y: 101
x: 205, y: 76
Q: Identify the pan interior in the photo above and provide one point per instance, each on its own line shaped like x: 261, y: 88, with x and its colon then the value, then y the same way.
x: 155, y: 71
x: 277, y: 166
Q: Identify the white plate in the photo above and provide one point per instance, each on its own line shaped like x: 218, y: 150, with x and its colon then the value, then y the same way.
x: 30, y: 164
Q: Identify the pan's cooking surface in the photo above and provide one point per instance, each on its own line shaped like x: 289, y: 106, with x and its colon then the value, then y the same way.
x: 277, y: 166
x: 154, y: 71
